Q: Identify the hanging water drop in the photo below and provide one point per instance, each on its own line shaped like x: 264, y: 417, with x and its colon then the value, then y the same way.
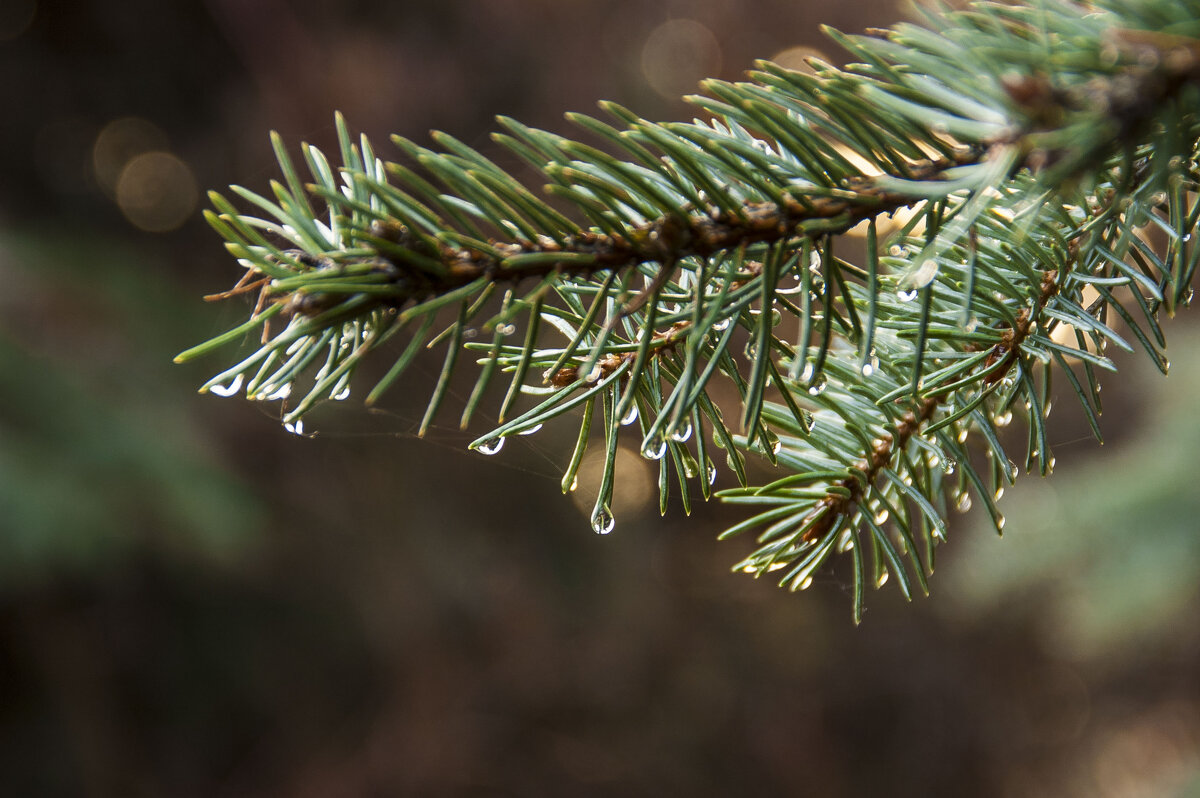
x: 720, y: 324
x: 574, y: 483
x: 773, y: 442
x: 603, y: 520
x: 882, y: 516
x: 962, y: 435
x: 535, y: 428
x: 999, y: 493
x: 807, y: 374
x: 227, y: 390
x: 1000, y: 522
x: 802, y: 584
x: 1003, y: 419
x: 654, y: 448
x: 506, y: 329
x: 341, y: 395
x: 963, y: 502
x: 711, y: 470
x: 907, y: 295
x: 282, y: 392
x: 296, y: 428
x: 949, y: 464
x: 882, y: 580
x: 490, y: 446
x: 691, y: 469
x: 681, y: 433
x: 1012, y: 471
x: 630, y: 416
x: 818, y: 385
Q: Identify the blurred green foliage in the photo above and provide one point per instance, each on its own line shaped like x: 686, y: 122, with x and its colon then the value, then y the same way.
x: 101, y: 451
x: 1106, y: 554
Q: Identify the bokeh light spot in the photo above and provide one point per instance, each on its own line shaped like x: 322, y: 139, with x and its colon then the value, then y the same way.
x: 632, y: 488
x: 15, y: 18
x: 796, y: 58
x: 156, y: 191
x: 677, y: 55
x: 118, y: 142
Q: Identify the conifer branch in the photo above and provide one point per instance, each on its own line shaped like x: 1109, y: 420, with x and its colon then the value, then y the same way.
x: 1030, y: 148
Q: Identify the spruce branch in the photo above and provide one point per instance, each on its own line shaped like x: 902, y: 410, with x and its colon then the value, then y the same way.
x: 1026, y: 175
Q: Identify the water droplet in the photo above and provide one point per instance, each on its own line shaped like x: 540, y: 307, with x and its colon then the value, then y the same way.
x: 681, y: 433
x: 882, y: 516
x: 603, y: 520
x: 594, y: 374
x: 574, y: 483
x: 907, y: 295
x: 934, y: 461
x: 341, y: 395
x: 802, y: 584
x: 296, y: 428
x: 972, y: 325
x: 1050, y: 465
x: 949, y: 465
x: 871, y: 365
x: 999, y: 493
x: 773, y: 441
x: 654, y: 448
x: 807, y: 374
x: 1000, y: 522
x: 506, y: 329
x: 720, y: 324
x: 691, y: 469
x: 882, y: 580
x: 227, y: 390
x: 1003, y: 419
x: 535, y: 428
x: 630, y: 416
x: 962, y: 502
x: 490, y: 446
x: 271, y: 393
x: 962, y: 435
x: 1012, y: 471
x: 1187, y: 298
x: 711, y: 470
x: 818, y: 385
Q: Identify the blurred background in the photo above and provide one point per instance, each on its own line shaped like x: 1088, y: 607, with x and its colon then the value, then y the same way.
x: 195, y: 603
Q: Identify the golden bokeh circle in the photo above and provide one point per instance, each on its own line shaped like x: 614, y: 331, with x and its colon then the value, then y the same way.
x: 156, y: 191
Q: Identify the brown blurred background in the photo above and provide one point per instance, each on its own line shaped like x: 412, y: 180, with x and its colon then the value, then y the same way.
x: 195, y: 603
